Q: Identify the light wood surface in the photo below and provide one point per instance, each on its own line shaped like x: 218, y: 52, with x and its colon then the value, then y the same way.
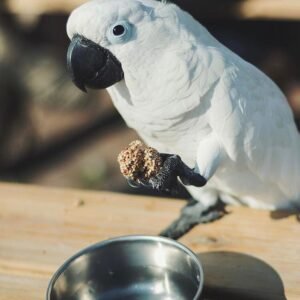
x: 245, y: 9
x: 246, y: 255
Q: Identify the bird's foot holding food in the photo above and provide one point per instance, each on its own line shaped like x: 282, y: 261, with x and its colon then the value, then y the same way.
x: 172, y: 169
x: 145, y: 167
x: 166, y: 180
x: 192, y: 214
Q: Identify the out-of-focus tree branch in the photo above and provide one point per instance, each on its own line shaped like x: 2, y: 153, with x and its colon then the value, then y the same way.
x: 213, y: 9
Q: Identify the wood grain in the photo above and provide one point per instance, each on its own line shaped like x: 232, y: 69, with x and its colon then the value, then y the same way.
x: 246, y: 255
x: 214, y: 9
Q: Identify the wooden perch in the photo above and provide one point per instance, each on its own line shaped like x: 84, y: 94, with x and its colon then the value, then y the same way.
x: 245, y: 255
x: 213, y: 9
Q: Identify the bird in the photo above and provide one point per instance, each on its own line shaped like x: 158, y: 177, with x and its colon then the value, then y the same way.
x: 225, y: 128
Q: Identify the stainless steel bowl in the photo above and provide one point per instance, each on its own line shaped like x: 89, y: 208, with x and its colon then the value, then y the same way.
x: 129, y: 268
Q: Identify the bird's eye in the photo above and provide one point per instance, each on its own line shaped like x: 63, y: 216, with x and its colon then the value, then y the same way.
x: 119, y: 32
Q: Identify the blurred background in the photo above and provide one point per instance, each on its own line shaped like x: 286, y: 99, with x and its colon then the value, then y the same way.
x: 53, y: 134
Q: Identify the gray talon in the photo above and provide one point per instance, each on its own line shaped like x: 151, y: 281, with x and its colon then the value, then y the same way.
x: 192, y: 214
x: 167, y: 178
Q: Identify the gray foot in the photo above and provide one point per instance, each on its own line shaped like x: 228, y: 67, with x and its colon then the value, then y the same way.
x: 192, y: 214
x: 167, y: 178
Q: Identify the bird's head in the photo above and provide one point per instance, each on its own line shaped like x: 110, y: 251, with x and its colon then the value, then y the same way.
x: 110, y: 38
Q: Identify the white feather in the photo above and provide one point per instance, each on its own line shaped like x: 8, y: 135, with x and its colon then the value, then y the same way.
x: 182, y: 87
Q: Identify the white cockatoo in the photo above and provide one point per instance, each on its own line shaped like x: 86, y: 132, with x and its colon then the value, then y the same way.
x: 187, y: 94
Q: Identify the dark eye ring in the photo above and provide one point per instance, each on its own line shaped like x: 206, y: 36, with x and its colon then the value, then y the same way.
x: 118, y: 30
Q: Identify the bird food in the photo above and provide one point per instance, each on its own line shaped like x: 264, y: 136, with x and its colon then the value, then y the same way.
x: 138, y: 161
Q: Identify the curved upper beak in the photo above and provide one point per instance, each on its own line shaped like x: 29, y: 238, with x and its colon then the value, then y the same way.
x: 91, y: 65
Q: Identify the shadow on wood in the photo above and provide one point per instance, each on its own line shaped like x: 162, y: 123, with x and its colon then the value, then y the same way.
x: 237, y: 276
x: 278, y: 215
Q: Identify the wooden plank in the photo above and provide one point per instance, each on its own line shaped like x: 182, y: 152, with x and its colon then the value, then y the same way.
x: 247, y: 9
x: 246, y: 255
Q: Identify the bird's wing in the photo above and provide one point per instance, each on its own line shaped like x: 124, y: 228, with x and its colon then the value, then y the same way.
x: 254, y: 123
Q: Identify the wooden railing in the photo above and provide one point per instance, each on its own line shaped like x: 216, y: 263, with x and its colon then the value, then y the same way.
x: 245, y: 255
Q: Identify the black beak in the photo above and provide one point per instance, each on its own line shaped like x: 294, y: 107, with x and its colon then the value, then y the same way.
x: 91, y: 65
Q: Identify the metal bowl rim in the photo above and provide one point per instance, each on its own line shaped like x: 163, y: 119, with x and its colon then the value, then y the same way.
x: 104, y: 243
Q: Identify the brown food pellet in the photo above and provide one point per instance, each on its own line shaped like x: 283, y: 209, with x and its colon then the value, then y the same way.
x: 138, y: 161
